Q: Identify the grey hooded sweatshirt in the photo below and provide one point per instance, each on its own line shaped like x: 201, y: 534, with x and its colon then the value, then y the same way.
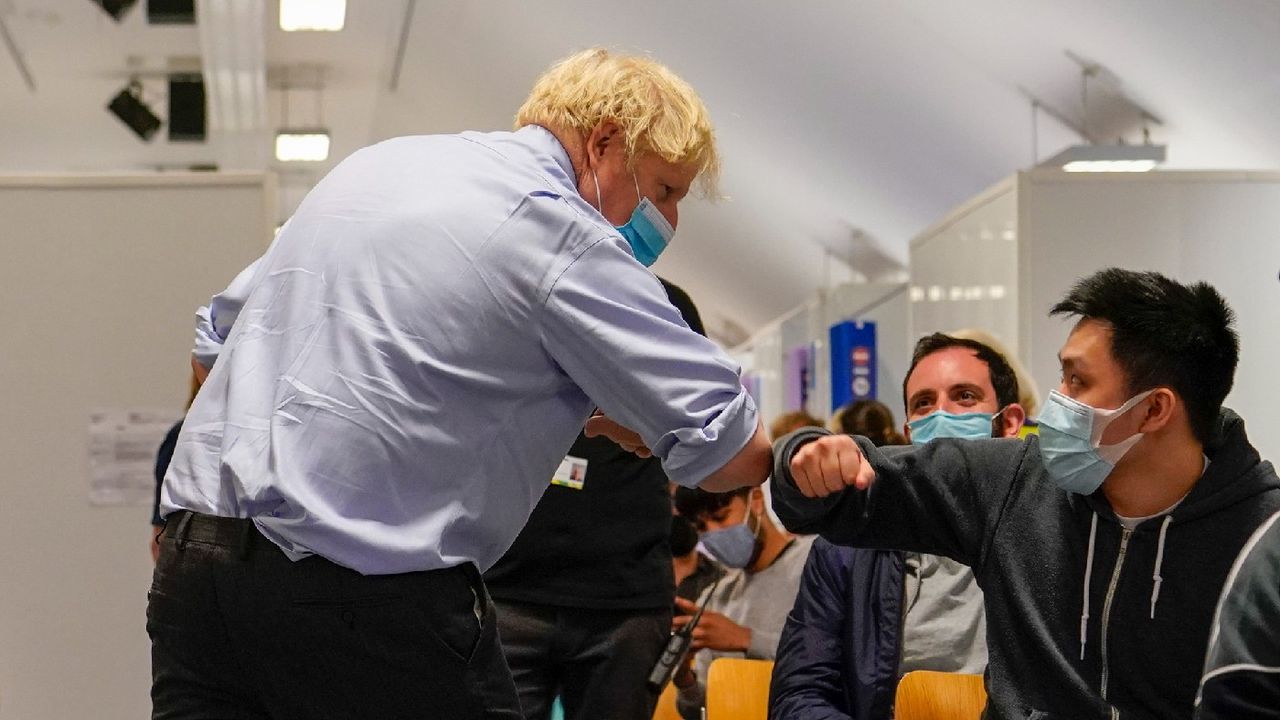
x: 1084, y: 618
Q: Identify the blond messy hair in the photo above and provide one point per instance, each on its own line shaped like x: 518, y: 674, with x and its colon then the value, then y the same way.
x: 656, y: 110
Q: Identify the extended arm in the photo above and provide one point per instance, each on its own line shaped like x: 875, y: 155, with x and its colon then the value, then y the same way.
x: 942, y: 498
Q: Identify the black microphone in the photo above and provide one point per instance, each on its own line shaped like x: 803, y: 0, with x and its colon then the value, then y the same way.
x: 673, y: 654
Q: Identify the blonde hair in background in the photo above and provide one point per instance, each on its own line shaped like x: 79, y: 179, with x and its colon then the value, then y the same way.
x: 1028, y: 393
x: 656, y: 110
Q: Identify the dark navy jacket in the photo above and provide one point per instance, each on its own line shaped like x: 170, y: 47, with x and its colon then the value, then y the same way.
x: 839, y: 651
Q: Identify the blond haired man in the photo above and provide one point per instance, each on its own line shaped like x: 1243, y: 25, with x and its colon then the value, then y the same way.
x: 420, y: 346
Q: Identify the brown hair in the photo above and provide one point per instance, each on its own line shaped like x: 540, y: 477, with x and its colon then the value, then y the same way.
x: 790, y: 422
x: 873, y: 420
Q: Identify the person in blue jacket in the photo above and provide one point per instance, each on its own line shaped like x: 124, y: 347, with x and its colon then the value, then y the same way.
x: 863, y: 618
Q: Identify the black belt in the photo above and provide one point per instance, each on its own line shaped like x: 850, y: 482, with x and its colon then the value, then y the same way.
x: 185, y: 526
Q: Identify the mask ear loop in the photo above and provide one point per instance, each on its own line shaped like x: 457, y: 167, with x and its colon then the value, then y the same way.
x: 599, y: 200
x: 1096, y: 432
x: 997, y: 423
x: 639, y: 197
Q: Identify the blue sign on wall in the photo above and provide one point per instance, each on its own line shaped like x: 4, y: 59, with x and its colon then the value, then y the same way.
x: 853, y: 362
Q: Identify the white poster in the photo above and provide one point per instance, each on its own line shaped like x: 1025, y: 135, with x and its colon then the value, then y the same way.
x: 122, y: 454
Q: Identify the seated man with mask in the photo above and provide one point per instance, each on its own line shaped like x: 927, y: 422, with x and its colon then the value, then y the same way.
x: 748, y: 606
x: 1101, y: 545
x: 864, y: 618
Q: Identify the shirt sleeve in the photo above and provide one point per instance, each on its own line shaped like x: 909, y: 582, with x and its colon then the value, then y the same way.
x: 924, y: 498
x: 1242, y: 668
x: 809, y: 673
x: 214, y: 321
x: 609, y: 326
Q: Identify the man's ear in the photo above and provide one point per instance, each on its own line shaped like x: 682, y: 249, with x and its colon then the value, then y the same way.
x: 755, y: 501
x: 1012, y: 419
x: 1162, y: 405
x: 604, y: 138
x: 906, y: 432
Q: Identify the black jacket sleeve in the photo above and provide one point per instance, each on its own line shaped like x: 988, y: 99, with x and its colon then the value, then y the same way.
x: 1242, y: 670
x: 943, y: 498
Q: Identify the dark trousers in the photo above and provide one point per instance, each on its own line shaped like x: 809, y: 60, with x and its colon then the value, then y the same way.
x: 240, y: 631
x: 597, y: 661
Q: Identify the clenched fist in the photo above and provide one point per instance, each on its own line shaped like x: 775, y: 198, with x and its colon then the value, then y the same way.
x: 830, y: 464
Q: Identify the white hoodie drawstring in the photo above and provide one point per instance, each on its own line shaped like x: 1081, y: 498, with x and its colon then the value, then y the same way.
x: 1156, y: 579
x: 1088, y: 574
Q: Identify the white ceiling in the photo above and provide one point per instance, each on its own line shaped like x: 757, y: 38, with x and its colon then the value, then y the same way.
x: 833, y: 115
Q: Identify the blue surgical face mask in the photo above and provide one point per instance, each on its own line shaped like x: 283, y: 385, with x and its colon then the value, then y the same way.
x: 734, y: 546
x: 942, y: 424
x: 1071, y: 442
x: 647, y: 232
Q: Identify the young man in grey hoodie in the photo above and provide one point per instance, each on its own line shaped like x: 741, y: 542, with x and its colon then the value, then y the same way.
x: 1100, y: 546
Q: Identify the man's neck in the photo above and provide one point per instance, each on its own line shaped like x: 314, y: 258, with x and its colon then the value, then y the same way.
x: 1154, y: 482
x: 773, y: 542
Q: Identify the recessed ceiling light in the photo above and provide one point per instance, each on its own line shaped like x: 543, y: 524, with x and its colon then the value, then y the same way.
x: 302, y: 145
x: 321, y: 15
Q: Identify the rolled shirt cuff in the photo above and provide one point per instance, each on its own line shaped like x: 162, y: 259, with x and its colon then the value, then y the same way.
x: 690, y: 455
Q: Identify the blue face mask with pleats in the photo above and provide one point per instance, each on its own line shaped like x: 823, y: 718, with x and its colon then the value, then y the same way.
x: 1071, y: 441
x: 647, y: 232
x: 734, y: 546
x: 942, y: 424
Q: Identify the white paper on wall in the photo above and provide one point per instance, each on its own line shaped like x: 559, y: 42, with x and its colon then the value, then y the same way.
x: 122, y: 453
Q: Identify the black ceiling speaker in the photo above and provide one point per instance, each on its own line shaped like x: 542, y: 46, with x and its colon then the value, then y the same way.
x: 186, y: 108
x: 171, y: 12
x: 128, y: 106
x: 115, y: 8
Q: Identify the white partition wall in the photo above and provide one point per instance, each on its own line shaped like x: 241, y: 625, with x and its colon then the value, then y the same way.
x: 964, y: 270
x: 98, y: 285
x: 1218, y: 227
x: 884, y: 303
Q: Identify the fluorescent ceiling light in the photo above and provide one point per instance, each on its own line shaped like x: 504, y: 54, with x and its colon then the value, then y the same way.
x: 1110, y: 166
x: 1108, y: 158
x: 302, y: 145
x: 325, y: 15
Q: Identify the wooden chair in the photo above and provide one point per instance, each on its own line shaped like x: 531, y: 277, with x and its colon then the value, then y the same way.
x: 926, y: 695
x: 666, y: 709
x: 738, y: 689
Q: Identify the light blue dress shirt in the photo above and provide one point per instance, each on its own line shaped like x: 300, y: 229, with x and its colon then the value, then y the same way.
x: 399, y: 376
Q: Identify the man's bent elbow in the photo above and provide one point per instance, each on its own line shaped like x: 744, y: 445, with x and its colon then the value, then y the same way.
x: 749, y: 468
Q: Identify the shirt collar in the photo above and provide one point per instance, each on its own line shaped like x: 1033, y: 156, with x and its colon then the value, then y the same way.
x: 554, y: 158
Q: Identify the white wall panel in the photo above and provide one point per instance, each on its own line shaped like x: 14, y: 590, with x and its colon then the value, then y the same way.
x: 98, y: 287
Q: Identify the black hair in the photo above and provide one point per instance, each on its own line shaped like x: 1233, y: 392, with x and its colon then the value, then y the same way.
x: 693, y: 503
x: 681, y: 300
x: 1164, y: 333
x: 1003, y: 380
x: 684, y: 536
